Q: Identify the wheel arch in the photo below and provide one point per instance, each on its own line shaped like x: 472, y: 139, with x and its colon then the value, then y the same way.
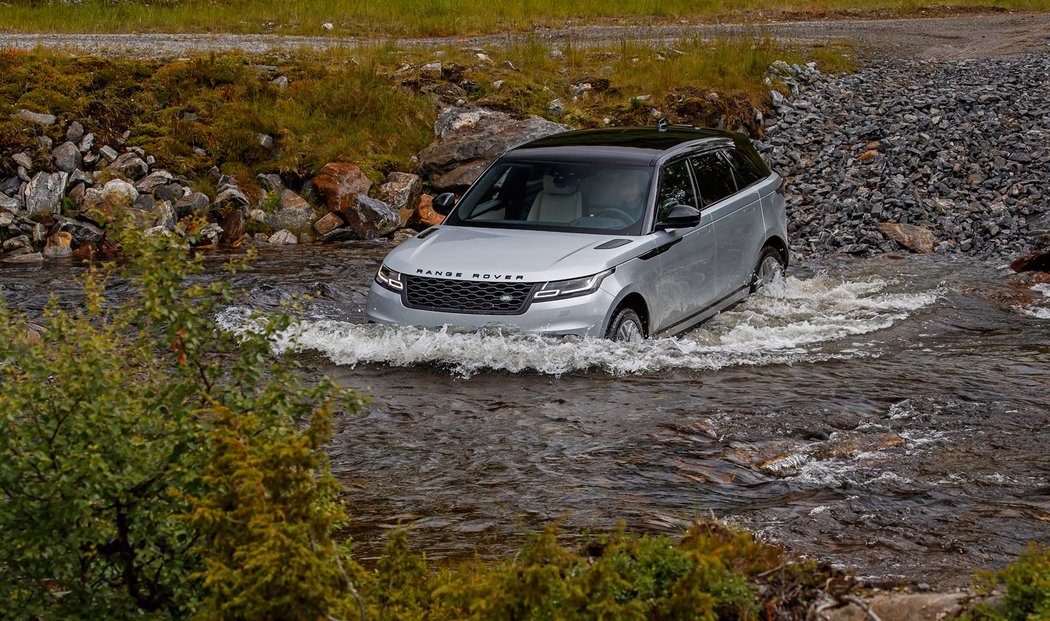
x: 775, y: 241
x: 635, y: 301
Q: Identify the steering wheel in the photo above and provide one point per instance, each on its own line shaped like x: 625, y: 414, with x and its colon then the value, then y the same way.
x: 623, y: 216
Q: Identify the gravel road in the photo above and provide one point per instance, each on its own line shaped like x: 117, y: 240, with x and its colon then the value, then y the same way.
x: 944, y: 38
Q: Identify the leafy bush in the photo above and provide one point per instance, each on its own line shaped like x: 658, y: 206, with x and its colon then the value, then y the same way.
x: 1026, y: 583
x: 153, y: 466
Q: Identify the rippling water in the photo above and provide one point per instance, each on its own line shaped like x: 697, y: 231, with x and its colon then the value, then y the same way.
x: 884, y: 415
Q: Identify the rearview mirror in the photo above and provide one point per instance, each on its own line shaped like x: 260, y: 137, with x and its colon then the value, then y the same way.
x: 681, y: 217
x: 444, y: 203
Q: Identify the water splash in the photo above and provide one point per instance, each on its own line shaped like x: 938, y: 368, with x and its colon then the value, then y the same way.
x: 790, y: 321
x: 1040, y: 312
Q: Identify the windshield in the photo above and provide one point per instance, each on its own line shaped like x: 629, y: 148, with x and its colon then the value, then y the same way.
x: 557, y: 196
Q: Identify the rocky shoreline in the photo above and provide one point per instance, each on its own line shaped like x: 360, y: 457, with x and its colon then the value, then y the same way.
x: 947, y: 157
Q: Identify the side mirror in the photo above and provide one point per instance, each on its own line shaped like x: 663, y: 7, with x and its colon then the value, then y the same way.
x: 681, y: 217
x: 444, y: 203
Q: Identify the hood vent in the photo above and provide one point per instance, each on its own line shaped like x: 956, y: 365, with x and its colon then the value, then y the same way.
x: 612, y: 243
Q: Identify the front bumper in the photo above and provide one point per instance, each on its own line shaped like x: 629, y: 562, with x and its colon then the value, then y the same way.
x: 580, y: 316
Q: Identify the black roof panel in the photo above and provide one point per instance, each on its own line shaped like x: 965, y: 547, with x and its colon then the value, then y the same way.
x: 647, y: 139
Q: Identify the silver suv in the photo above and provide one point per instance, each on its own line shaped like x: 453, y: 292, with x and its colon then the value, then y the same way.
x: 617, y: 233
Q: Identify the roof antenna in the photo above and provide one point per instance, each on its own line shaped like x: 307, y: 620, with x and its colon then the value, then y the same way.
x: 661, y: 125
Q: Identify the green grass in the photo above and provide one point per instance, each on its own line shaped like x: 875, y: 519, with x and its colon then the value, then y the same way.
x: 371, y: 106
x: 433, y: 17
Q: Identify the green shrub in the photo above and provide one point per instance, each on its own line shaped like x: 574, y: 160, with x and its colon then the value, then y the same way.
x: 153, y: 466
x: 1026, y: 586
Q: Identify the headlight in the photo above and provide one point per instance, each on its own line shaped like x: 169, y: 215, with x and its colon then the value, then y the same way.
x: 560, y: 289
x: 389, y: 279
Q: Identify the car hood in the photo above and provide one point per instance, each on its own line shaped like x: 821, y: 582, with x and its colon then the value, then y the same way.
x: 477, y: 253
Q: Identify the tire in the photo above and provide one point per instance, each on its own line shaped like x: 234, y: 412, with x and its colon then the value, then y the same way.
x: 770, y: 264
x: 626, y: 326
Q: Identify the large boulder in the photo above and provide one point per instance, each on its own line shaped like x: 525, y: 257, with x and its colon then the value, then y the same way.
x: 338, y: 183
x: 154, y: 180
x: 82, y: 233
x: 43, y: 193
x: 39, y: 118
x: 293, y: 213
x: 370, y: 218
x: 425, y: 216
x: 914, y: 238
x: 230, y: 198
x: 469, y: 139
x: 401, y: 191
x: 191, y: 204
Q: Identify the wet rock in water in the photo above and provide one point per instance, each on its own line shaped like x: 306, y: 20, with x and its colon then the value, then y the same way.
x: 341, y: 234
x: 283, y: 237
x: 329, y: 222
x: 31, y: 257
x: 17, y: 243
x: 191, y: 204
x: 401, y: 236
x: 232, y: 225
x: 130, y: 165
x: 914, y: 238
x: 401, y: 192
x: 81, y: 233
x: 339, y: 183
x: 1038, y: 261
x: 58, y: 246
x: 370, y: 218
x: 209, y: 234
x: 40, y: 118
x: 43, y: 193
x: 293, y: 212
x: 468, y: 139
x: 425, y: 215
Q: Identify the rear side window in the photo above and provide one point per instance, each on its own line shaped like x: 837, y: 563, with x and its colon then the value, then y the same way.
x: 675, y: 189
x: 747, y: 167
x: 714, y: 177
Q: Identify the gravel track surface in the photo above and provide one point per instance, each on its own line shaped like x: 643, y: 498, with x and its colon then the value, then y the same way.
x: 943, y: 38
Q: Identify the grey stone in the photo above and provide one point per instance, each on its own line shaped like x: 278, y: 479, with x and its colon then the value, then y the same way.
x: 170, y: 191
x: 90, y: 159
x: 469, y: 139
x: 74, y: 132
x: 43, y: 194
x: 67, y: 157
x: 84, y: 233
x: 23, y: 160
x: 44, y: 142
x: 57, y: 252
x: 32, y: 257
x: 152, y: 181
x: 293, y: 213
x: 192, y: 204
x: 265, y: 141
x: 370, y: 218
x: 108, y: 152
x: 270, y: 182
x: 283, y: 237
x: 9, y: 203
x: 130, y: 165
x: 20, y: 241
x: 86, y: 143
x: 39, y: 118
x: 209, y: 234
x: 401, y: 191
x: 230, y: 197
x: 165, y: 215
x: 280, y: 82
x: 118, y: 191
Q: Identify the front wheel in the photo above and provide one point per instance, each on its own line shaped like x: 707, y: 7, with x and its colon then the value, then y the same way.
x: 770, y: 264
x: 626, y: 326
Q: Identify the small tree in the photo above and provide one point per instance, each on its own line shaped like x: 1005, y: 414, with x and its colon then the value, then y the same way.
x: 152, y: 465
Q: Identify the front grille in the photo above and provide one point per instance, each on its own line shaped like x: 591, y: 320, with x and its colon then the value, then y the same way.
x: 467, y: 296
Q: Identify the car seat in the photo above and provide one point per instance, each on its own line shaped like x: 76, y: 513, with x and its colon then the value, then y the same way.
x: 557, y: 203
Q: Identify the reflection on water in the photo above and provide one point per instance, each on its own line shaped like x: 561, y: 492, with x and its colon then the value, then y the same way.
x: 879, y: 414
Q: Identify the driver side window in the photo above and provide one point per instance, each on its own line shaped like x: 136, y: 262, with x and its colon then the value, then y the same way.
x: 675, y: 189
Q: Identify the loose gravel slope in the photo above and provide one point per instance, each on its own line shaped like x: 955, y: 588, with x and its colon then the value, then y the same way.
x: 959, y: 148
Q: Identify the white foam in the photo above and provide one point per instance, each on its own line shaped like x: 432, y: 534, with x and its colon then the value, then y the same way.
x: 790, y: 321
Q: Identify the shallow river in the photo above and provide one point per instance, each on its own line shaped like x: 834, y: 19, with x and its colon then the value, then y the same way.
x: 881, y: 414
